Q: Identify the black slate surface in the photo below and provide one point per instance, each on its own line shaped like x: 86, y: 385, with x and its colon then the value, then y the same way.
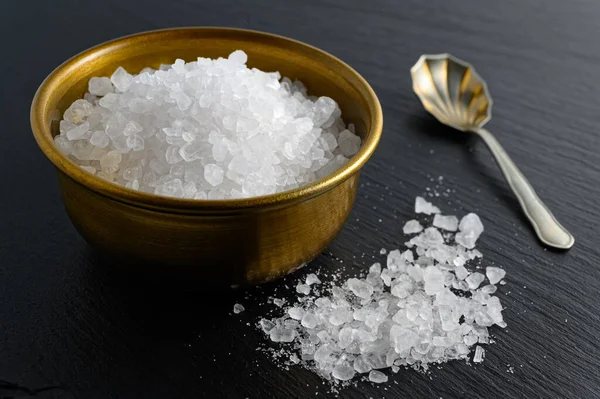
x: 70, y: 328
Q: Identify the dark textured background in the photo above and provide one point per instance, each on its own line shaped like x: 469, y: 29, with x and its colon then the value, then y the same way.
x: 69, y: 328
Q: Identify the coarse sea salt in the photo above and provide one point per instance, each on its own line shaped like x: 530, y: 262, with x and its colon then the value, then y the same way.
x: 207, y: 129
x: 424, y: 308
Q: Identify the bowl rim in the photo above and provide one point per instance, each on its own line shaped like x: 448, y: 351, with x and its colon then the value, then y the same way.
x: 44, y: 139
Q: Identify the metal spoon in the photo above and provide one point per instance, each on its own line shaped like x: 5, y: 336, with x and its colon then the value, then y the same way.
x: 457, y: 96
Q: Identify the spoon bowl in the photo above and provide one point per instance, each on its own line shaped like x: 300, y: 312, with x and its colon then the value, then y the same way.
x: 452, y: 91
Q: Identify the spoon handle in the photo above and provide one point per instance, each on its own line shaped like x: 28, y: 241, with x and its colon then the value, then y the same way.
x: 549, y: 231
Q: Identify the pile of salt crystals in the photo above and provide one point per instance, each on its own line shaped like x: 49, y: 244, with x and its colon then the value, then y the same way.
x: 425, y: 307
x: 206, y: 129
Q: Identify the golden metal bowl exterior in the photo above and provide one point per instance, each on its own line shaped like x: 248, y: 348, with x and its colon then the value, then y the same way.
x: 452, y: 91
x: 225, y: 242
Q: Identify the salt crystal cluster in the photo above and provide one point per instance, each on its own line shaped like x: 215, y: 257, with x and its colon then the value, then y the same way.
x: 205, y: 129
x: 424, y: 308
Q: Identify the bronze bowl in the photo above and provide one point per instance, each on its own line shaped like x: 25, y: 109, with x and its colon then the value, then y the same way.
x: 211, y: 242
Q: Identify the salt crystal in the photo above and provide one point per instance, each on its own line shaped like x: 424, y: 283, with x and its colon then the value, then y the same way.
x: 237, y: 308
x: 349, y: 143
x: 403, y: 338
x: 121, y: 79
x: 343, y: 372
x: 345, y: 337
x: 312, y: 279
x: 377, y: 377
x: 461, y: 272
x: 324, y: 354
x: 412, y: 227
x: 395, y: 260
x: 99, y: 139
x: 429, y: 238
x: 172, y: 155
x: 111, y: 160
x: 494, y: 274
x: 213, y: 174
x: 296, y: 313
x: 479, y: 354
x: 282, y: 335
x: 470, y: 339
x: 266, y: 325
x: 78, y: 112
x: 470, y: 229
x: 135, y: 142
x: 424, y: 206
x: 279, y: 302
x: 339, y: 316
x: 360, y: 288
x: 132, y: 127
x: 100, y: 86
x: 449, y: 223
x: 133, y: 173
x: 238, y: 56
x: 361, y: 366
x: 474, y: 280
x: 325, y: 108
x: 63, y: 144
x: 434, y: 280
x: 375, y: 269
x: 78, y: 131
x: 303, y: 289
x: 489, y: 289
x: 494, y: 310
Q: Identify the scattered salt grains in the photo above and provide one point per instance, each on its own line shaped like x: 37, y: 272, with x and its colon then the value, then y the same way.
x: 207, y: 129
x: 424, y: 308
